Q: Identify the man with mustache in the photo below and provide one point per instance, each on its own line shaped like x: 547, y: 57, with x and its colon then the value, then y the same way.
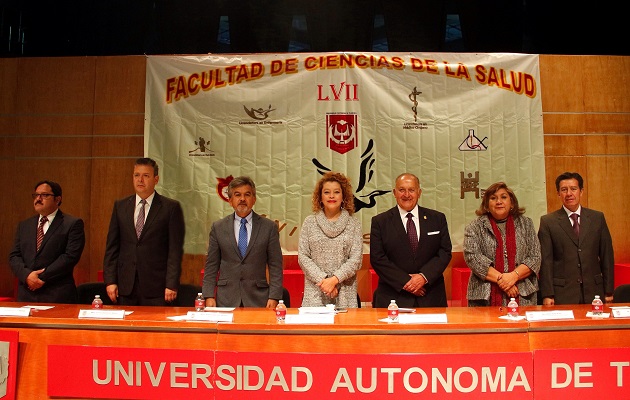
x: 47, y: 247
x: 145, y: 243
x: 241, y: 248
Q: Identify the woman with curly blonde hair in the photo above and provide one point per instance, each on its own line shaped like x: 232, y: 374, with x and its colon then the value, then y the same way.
x: 330, y: 245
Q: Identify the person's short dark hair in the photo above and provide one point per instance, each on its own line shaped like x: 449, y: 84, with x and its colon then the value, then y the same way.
x: 241, y: 181
x: 569, y: 175
x: 54, y: 186
x: 150, y: 162
x: 484, y: 208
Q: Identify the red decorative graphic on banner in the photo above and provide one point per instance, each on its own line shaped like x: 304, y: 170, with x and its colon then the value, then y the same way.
x: 222, y: 187
x: 342, y: 132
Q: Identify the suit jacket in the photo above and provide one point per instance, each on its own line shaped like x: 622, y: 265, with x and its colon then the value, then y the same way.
x: 155, y: 258
x: 61, y: 250
x: 392, y: 258
x: 239, y: 279
x: 568, y: 260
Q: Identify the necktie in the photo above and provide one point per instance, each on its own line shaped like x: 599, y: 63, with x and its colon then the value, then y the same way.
x: 411, y: 233
x: 140, y: 220
x: 576, y: 224
x: 40, y: 232
x: 242, y: 237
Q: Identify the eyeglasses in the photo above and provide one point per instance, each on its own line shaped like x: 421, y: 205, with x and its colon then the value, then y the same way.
x: 42, y: 195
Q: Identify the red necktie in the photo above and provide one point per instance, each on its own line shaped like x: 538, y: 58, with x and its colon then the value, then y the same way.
x: 576, y: 224
x: 411, y: 233
x: 40, y: 232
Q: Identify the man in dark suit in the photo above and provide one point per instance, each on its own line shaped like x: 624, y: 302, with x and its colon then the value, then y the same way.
x: 576, y: 246
x: 241, y: 247
x: 145, y: 243
x: 410, y: 248
x: 46, y: 249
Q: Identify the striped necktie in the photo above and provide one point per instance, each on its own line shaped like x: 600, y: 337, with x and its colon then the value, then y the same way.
x: 40, y: 232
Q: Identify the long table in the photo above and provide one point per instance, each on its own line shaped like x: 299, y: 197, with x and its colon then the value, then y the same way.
x: 256, y: 342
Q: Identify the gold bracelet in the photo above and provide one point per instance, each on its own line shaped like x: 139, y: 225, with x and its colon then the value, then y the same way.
x: 518, y: 276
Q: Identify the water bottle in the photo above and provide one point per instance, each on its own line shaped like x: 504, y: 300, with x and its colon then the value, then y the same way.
x: 97, y: 303
x: 200, y: 303
x: 281, y: 311
x: 392, y: 311
x: 512, y: 308
x: 597, y: 307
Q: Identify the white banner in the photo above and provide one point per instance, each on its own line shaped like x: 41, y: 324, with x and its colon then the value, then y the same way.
x: 460, y: 122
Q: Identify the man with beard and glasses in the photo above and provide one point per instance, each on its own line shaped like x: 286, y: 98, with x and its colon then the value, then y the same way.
x: 241, y: 248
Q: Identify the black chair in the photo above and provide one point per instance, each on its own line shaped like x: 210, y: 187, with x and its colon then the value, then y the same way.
x: 286, y: 297
x: 186, y: 295
x: 622, y: 294
x: 87, y: 291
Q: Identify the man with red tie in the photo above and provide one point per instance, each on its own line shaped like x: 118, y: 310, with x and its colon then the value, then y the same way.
x: 410, y: 248
x: 47, y: 247
x: 576, y: 246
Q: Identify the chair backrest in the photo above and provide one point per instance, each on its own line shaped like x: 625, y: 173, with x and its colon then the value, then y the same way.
x: 622, y: 294
x: 87, y: 291
x: 286, y: 297
x: 186, y: 295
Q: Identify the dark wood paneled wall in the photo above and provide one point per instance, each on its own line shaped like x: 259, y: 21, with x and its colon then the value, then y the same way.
x: 80, y: 120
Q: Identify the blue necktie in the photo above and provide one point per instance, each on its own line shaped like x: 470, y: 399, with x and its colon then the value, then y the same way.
x: 242, y: 237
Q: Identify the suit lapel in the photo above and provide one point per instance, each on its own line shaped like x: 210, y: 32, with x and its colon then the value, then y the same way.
x: 228, y: 231
x: 129, y: 207
x: 586, y: 222
x: 255, y: 231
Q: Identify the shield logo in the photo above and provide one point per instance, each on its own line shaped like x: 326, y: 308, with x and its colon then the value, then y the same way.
x: 342, y: 132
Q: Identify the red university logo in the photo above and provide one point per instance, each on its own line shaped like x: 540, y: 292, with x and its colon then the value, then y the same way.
x: 341, y: 132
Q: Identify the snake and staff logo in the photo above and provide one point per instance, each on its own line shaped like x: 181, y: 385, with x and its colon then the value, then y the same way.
x: 341, y: 132
x: 365, y: 175
x: 413, y: 97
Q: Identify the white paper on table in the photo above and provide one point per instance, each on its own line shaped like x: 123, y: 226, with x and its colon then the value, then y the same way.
x: 533, y: 316
x: 102, y: 314
x: 621, y: 312
x: 509, y: 317
x: 422, y: 318
x: 220, y: 309
x: 316, y: 310
x: 15, y: 311
x: 418, y: 319
x: 328, y: 318
x: 209, y: 316
x: 602, y: 315
x: 42, y: 308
